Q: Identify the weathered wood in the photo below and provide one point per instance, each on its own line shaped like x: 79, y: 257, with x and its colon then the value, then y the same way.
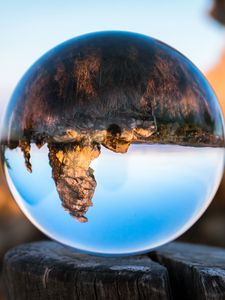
x: 48, y: 270
x: 196, y: 272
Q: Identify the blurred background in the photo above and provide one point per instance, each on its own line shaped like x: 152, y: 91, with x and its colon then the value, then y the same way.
x: 30, y: 28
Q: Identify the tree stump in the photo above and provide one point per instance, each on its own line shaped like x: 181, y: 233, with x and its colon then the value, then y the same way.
x: 195, y: 271
x: 48, y: 270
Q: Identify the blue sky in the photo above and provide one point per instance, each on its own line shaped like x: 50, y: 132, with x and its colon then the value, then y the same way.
x: 121, y: 206
x: 30, y: 28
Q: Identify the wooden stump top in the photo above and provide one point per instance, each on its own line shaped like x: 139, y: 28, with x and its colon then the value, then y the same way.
x: 48, y: 270
x: 195, y: 271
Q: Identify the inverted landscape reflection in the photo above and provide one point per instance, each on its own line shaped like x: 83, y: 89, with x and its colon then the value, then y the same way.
x: 113, y: 143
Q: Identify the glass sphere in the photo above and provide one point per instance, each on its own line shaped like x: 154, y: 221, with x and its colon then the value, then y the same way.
x: 112, y: 143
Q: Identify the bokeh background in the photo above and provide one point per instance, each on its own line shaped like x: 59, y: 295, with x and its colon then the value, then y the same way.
x: 30, y: 28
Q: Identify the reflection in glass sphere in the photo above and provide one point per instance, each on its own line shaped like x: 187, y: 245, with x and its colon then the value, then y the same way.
x: 113, y: 143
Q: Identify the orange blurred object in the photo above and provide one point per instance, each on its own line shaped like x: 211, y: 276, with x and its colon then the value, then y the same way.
x: 216, y: 77
x: 8, y: 206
